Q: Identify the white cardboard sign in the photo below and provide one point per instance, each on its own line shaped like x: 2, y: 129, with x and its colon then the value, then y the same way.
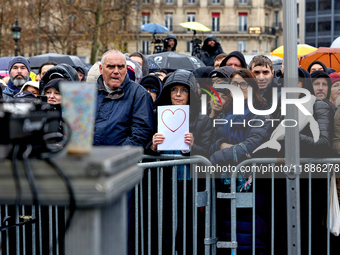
x: 173, y: 123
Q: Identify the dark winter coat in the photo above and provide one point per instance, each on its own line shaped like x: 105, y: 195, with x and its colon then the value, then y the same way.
x: 200, y: 126
x: 208, y: 53
x: 126, y: 120
x: 254, y: 137
x: 267, y: 94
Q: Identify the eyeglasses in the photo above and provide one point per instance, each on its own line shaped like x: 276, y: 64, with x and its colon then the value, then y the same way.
x: 242, y: 84
x: 151, y: 90
x: 182, y: 91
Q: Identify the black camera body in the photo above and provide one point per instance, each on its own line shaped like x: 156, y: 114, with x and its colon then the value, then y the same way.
x: 27, y: 121
x: 196, y: 41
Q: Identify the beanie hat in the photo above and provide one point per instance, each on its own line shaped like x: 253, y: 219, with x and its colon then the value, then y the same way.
x: 317, y: 62
x: 330, y: 70
x: 152, y: 81
x: 19, y: 59
x: 235, y: 54
x: 319, y: 74
x: 54, y: 84
x: 334, y: 77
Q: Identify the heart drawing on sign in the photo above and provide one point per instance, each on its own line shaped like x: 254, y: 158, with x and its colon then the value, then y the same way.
x: 170, y: 119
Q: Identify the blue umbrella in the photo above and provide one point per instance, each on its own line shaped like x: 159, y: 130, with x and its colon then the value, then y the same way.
x: 154, y: 28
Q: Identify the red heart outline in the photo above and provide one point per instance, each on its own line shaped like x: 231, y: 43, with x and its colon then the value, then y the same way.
x: 173, y: 112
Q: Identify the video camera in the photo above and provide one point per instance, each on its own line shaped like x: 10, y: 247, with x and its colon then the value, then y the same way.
x: 33, y: 122
x: 158, y: 48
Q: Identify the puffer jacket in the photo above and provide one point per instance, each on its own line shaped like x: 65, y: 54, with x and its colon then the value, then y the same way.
x: 126, y: 119
x: 255, y: 135
x: 324, y: 116
x: 61, y: 70
x: 200, y: 126
x: 208, y: 53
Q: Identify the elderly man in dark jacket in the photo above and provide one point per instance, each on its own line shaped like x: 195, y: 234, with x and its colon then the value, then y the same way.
x: 211, y: 48
x: 124, y: 108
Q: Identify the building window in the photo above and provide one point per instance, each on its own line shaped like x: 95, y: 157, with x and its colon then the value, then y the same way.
x: 297, y: 9
x: 145, y: 18
x: 145, y: 47
x: 169, y: 2
x: 215, y: 1
x: 242, y: 46
x: 188, y: 46
x: 146, y: 1
x: 276, y: 42
x: 266, y: 21
x: 168, y: 17
x: 191, y: 1
x: 276, y: 18
x: 298, y: 30
x: 215, y: 24
x: 242, y: 21
x: 191, y: 17
x: 266, y: 46
x: 242, y: 1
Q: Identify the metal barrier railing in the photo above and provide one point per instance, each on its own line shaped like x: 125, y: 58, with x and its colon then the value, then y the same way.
x: 247, y: 200
x: 31, y: 229
x: 199, y: 199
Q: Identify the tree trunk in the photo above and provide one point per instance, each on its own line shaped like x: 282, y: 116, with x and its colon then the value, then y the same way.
x: 95, y: 39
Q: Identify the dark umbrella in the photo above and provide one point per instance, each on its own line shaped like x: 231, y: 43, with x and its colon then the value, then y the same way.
x: 4, y: 63
x: 152, y: 65
x: 173, y: 60
x: 73, y: 61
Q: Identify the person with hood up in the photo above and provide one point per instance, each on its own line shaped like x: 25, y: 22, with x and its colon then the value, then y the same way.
x: 234, y: 59
x: 169, y: 43
x: 142, y: 61
x: 202, y: 74
x: 59, y: 71
x: 82, y: 73
x: 317, y: 66
x: 210, y: 49
x: 180, y: 88
x: 31, y: 86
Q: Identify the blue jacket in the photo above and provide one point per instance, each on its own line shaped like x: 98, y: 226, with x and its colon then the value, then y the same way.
x: 123, y: 117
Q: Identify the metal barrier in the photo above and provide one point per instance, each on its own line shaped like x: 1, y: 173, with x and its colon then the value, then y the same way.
x: 247, y: 200
x: 31, y: 228
x: 199, y: 199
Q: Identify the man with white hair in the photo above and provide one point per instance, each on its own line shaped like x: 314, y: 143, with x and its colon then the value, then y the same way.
x: 124, y: 108
x: 19, y: 73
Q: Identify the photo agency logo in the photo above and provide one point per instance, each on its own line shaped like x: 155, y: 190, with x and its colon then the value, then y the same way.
x: 239, y: 96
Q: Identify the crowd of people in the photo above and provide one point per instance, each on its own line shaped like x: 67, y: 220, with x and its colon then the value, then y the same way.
x: 128, y: 96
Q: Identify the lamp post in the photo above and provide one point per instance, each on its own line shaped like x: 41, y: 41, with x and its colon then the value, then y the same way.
x: 16, y: 29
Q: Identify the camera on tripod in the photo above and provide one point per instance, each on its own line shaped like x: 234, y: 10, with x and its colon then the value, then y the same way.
x: 196, y: 42
x: 158, y: 42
